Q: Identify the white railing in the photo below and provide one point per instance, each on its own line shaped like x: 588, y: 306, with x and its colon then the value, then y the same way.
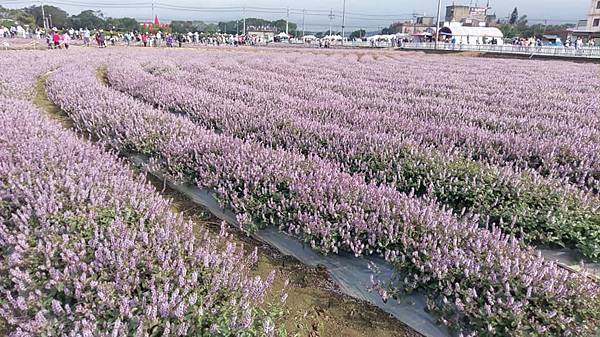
x: 559, y: 51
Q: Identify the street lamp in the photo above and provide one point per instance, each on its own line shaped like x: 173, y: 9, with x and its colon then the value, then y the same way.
x: 437, y: 30
x: 343, y: 21
x: 44, y: 18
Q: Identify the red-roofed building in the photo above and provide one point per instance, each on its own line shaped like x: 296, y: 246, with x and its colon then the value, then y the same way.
x: 156, y: 25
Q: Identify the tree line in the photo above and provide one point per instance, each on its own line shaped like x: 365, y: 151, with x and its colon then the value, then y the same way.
x: 59, y: 18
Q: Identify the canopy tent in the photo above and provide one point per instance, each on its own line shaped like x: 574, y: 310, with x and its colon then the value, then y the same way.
x: 381, y: 38
x: 333, y: 38
x: 422, y: 37
x: 472, y: 35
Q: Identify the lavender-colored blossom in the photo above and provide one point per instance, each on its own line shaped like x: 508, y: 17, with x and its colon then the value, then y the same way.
x: 315, y: 198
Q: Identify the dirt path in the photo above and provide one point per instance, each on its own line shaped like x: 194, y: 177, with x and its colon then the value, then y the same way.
x: 314, y: 307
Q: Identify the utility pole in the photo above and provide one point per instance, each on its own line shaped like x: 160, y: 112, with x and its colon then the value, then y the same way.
x: 44, y: 17
x: 343, y: 21
x: 303, y: 25
x: 153, y: 16
x: 437, y: 31
x: 244, y: 13
x: 50, y: 18
x: 287, y: 23
x: 331, y: 16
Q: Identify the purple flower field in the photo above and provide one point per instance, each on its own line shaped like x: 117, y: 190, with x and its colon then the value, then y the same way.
x: 89, y: 249
x: 450, y: 168
x: 540, y: 209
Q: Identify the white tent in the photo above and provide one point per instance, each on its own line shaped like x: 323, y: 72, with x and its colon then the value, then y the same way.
x: 332, y: 38
x: 309, y: 38
x: 387, y: 38
x: 472, y: 35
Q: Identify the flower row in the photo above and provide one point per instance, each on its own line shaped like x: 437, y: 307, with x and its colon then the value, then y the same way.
x: 88, y: 249
x: 556, y: 133
x: 508, y: 287
x: 540, y: 210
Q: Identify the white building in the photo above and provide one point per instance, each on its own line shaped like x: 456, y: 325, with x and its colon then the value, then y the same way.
x: 591, y: 27
x: 593, y: 21
x: 471, y: 35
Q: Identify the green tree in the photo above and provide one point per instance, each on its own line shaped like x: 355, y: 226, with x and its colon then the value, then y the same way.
x: 59, y: 17
x: 188, y: 26
x: 514, y: 16
x: 24, y: 18
x: 508, y: 30
x: 358, y: 34
x: 280, y: 26
x: 123, y: 24
x: 522, y: 22
x: 211, y: 28
x: 88, y: 19
x: 16, y: 16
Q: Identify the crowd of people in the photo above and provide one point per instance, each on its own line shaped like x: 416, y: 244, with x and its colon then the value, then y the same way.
x: 578, y: 43
x: 58, y: 39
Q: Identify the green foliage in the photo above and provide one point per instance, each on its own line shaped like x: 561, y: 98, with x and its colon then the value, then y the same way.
x: 88, y: 19
x: 519, y: 27
x: 358, y: 34
x: 538, y: 213
x: 279, y: 25
x: 514, y: 16
x: 211, y: 29
x: 59, y: 16
x: 522, y: 22
x: 123, y: 24
x: 9, y: 17
x: 508, y: 30
x: 188, y: 26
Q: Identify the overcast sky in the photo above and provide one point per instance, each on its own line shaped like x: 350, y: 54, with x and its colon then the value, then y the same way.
x: 383, y: 11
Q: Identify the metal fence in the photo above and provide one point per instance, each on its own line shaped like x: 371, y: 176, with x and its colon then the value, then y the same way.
x: 558, y: 51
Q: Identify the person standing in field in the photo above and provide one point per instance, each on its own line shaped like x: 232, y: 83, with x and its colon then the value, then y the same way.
x: 101, y: 39
x: 86, y: 37
x: 56, y: 39
x: 157, y: 39
x: 66, y: 39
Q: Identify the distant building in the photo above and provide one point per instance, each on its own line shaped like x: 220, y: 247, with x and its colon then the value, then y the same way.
x: 593, y: 21
x: 262, y: 34
x: 156, y: 25
x: 420, y: 25
x: 458, y: 13
x: 473, y: 16
x: 425, y: 20
x: 590, y: 28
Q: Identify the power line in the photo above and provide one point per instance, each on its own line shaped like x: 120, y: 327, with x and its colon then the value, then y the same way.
x: 283, y: 11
